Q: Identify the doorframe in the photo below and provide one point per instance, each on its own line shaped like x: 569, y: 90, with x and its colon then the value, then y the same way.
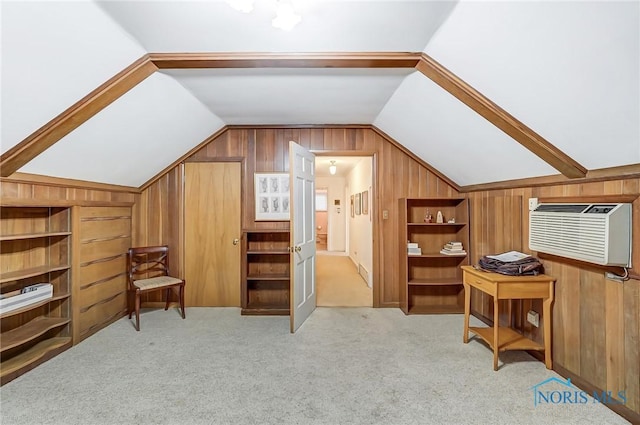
x: 373, y: 210
x: 181, y: 221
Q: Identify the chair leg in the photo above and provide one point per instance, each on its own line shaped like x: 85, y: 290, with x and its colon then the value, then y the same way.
x: 181, y: 297
x: 130, y: 302
x: 168, y: 295
x: 137, y: 311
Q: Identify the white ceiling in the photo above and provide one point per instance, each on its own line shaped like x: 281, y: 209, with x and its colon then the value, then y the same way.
x: 344, y: 165
x: 568, y: 70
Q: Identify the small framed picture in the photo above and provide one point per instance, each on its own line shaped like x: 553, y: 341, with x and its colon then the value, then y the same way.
x: 365, y: 202
x: 358, y: 204
x: 272, y: 196
x: 352, y: 207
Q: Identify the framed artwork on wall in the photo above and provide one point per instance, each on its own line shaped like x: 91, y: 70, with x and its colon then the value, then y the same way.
x: 352, y: 207
x: 358, y: 204
x: 272, y: 201
x: 365, y: 202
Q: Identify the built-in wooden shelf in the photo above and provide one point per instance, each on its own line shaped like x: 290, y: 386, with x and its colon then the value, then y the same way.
x: 36, y: 248
x: 265, y: 272
x: 37, y: 354
x: 32, y: 236
x: 33, y: 306
x: 268, y: 277
x: 435, y: 282
x: 431, y: 282
x: 31, y: 272
x: 30, y: 331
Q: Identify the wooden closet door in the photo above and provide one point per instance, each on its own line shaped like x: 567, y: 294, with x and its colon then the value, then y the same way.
x: 212, y: 230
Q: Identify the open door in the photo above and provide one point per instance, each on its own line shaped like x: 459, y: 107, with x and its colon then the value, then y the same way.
x: 302, y: 230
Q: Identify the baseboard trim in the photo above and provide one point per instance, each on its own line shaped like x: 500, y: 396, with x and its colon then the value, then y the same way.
x: 620, y: 409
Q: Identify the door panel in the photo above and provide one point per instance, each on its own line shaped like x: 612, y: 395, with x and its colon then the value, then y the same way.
x: 303, y: 235
x: 212, y: 224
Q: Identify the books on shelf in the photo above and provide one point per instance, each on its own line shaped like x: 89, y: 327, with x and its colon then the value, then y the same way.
x: 28, y: 295
x: 453, y: 248
x: 413, y: 249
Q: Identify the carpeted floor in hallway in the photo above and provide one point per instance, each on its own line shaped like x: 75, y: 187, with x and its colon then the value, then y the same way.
x: 339, y: 284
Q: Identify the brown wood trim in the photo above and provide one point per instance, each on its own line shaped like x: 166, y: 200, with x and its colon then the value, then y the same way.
x: 623, y: 199
x: 319, y: 152
x: 416, y: 158
x: 219, y: 159
x: 617, y: 270
x: 598, y: 175
x: 634, y: 276
x: 66, y: 183
x: 285, y: 60
x: 13, y: 159
x: 579, y: 382
x: 97, y: 326
x: 294, y: 126
x: 175, y: 163
x: 25, y: 202
x: 500, y: 118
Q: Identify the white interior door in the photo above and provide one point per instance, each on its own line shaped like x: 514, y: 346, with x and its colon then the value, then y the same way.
x: 303, y: 235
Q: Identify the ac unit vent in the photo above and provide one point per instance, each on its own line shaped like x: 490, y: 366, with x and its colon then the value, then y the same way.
x: 599, y: 234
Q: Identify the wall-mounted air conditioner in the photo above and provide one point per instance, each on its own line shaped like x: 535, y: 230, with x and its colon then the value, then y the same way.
x: 597, y: 233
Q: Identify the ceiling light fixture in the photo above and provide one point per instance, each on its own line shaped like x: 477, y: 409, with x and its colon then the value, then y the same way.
x: 332, y: 168
x: 286, y: 18
x: 245, y: 6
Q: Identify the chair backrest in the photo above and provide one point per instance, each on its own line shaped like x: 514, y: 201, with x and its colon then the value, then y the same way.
x: 150, y: 261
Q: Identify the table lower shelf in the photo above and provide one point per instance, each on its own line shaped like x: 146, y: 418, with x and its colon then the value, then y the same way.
x: 507, y: 338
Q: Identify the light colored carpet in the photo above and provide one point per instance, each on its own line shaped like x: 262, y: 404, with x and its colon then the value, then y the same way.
x: 338, y: 283
x: 344, y: 366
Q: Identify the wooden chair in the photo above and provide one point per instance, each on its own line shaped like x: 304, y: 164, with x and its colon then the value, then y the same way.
x: 153, y: 263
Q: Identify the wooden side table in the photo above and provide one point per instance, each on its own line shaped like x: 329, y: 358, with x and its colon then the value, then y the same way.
x: 501, y: 287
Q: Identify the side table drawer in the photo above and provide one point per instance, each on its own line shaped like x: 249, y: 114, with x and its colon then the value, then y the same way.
x: 477, y: 282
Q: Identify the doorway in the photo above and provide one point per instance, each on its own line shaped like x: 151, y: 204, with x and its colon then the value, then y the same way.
x: 344, y: 233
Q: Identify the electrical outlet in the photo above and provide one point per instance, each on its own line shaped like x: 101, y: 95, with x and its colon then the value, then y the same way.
x: 533, y: 318
x: 533, y: 203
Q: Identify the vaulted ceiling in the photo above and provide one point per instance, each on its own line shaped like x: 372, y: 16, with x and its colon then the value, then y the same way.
x: 566, y: 72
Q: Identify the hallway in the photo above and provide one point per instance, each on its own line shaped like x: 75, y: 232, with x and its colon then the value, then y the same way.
x: 339, y: 284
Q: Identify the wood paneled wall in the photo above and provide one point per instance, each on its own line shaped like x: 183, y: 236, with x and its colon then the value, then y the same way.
x: 157, y: 215
x: 596, y: 322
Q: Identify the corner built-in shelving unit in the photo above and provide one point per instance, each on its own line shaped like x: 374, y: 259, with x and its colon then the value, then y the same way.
x: 35, y: 247
x: 265, y: 272
x: 431, y: 281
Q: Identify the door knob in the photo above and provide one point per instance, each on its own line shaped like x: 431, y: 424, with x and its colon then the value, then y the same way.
x: 235, y: 241
x: 298, y: 249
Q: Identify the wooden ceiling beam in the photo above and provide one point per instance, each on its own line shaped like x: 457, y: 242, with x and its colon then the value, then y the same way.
x: 500, y: 118
x: 13, y: 159
x: 285, y: 60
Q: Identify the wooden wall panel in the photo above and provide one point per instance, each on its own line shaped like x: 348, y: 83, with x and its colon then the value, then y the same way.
x: 157, y: 212
x: 596, y: 322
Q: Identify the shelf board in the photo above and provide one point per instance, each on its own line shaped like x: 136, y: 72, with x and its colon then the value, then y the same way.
x: 33, y: 355
x: 268, y: 277
x: 35, y: 305
x: 508, y: 339
x: 460, y: 224
x: 30, y: 331
x: 435, y: 282
x: 35, y: 271
x: 264, y: 312
x: 270, y: 252
x: 32, y: 236
x: 438, y: 255
x: 436, y: 309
